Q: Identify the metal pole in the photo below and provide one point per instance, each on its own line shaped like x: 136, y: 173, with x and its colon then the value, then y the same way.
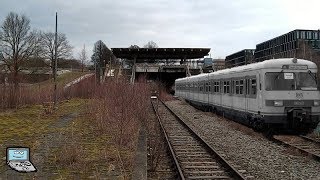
x: 99, y: 65
x: 55, y: 63
x: 95, y: 71
x: 82, y: 60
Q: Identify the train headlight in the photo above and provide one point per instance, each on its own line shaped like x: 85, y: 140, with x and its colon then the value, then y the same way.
x: 278, y: 103
x: 316, y: 102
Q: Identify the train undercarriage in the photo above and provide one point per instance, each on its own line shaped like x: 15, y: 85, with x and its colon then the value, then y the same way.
x: 294, y: 121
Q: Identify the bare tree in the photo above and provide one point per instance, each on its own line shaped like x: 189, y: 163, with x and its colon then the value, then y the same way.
x: 151, y: 44
x: 102, y: 56
x: 83, y: 57
x: 17, y: 43
x: 64, y: 49
x: 1, y: 57
x: 134, y: 47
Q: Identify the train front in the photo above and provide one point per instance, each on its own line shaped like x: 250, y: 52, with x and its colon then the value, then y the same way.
x: 292, y: 97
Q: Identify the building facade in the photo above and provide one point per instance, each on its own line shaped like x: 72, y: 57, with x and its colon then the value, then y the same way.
x: 240, y: 58
x: 297, y: 43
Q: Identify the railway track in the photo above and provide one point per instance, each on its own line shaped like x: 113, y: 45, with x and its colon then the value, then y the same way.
x: 316, y: 140
x: 304, y: 144
x: 192, y: 156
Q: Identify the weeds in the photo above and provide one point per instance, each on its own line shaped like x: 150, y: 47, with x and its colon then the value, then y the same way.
x: 119, y: 108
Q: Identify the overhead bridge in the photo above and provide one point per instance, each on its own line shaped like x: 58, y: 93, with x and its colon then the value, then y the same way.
x: 163, y: 64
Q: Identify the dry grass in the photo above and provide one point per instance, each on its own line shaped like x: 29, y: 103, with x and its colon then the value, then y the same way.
x: 11, y: 97
x: 106, y: 131
x: 119, y: 109
x: 71, y: 154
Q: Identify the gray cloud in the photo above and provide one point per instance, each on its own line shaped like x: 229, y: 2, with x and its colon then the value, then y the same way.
x: 224, y: 26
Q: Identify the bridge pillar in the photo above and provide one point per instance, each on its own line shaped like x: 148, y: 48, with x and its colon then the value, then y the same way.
x: 133, y: 74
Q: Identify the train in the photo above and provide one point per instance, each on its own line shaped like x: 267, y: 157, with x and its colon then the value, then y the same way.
x: 280, y: 94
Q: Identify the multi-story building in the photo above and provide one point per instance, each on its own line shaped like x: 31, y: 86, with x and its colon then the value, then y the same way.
x: 297, y: 43
x: 240, y: 58
x: 218, y: 64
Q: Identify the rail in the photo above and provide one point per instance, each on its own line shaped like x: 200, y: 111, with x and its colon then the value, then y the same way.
x: 304, y: 144
x: 209, y: 153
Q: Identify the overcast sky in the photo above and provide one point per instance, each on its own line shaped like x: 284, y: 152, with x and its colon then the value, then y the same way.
x: 225, y: 26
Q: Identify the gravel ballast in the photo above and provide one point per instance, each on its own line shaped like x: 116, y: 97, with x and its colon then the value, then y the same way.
x: 257, y: 155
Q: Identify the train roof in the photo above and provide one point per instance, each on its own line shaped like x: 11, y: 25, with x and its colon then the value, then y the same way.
x: 267, y: 64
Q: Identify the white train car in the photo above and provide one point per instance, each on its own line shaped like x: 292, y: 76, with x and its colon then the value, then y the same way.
x: 278, y: 93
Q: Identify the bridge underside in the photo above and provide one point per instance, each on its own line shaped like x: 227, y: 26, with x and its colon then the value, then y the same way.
x: 167, y: 79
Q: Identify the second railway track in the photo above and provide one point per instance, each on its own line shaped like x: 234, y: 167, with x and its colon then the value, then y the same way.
x: 304, y: 144
x: 193, y: 157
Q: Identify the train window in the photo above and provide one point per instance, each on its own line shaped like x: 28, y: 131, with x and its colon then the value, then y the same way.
x: 237, y: 87
x: 232, y: 87
x: 241, y: 86
x: 203, y: 87
x: 253, y: 89
x: 226, y: 86
x: 247, y: 86
x: 216, y: 86
x: 207, y: 87
x: 278, y: 81
x: 212, y: 85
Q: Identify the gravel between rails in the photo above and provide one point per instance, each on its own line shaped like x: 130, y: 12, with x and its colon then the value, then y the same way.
x: 262, y: 158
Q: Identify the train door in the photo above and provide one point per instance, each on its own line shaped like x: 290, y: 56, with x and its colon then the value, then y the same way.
x: 220, y: 92
x: 260, y: 97
x: 209, y: 89
x: 247, y: 93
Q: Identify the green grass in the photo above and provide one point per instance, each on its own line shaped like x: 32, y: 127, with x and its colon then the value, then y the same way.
x: 29, y: 122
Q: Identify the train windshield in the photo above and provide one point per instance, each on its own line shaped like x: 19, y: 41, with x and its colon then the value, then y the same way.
x: 276, y: 81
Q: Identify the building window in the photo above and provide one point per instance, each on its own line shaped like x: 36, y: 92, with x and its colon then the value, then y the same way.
x: 303, y: 35
x: 298, y: 34
x: 309, y: 35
